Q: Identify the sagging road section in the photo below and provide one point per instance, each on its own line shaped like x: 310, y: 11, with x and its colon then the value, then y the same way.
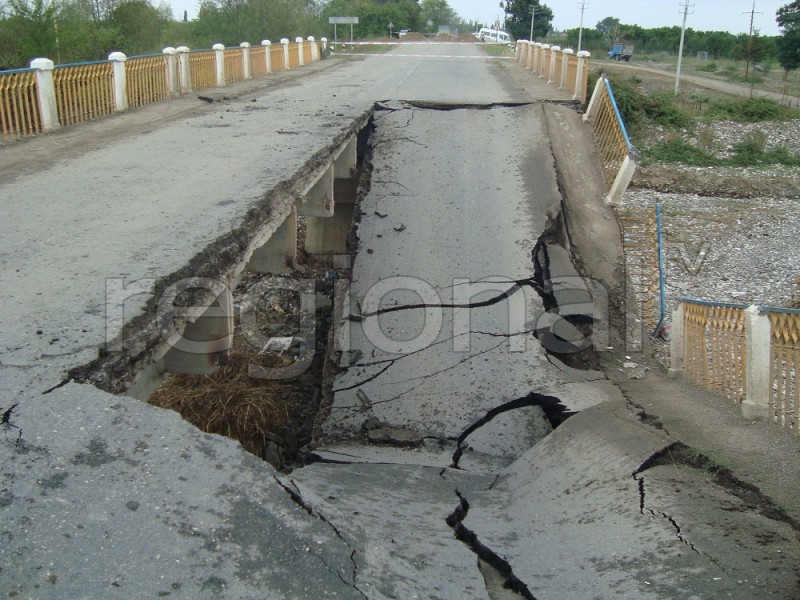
x: 438, y: 475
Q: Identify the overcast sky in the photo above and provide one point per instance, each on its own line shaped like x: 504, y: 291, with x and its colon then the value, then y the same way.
x: 704, y: 15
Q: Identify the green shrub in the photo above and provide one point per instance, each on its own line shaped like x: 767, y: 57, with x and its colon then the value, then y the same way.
x: 748, y: 110
x: 663, y: 109
x: 678, y: 151
x: 749, y: 151
x: 709, y: 68
x: 630, y: 102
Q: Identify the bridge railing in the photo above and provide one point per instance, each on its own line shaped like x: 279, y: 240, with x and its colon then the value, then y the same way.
x: 147, y: 79
x: 748, y: 354
x: 19, y: 109
x: 564, y: 68
x: 617, y: 154
x: 46, y: 96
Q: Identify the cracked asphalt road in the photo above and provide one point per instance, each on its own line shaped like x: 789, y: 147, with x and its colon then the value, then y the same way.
x: 458, y: 199
x: 104, y: 496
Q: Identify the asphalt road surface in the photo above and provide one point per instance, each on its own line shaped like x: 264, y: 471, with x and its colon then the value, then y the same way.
x: 104, y: 496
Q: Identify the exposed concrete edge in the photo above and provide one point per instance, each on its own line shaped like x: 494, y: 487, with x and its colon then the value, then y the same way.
x: 224, y: 259
x: 593, y: 229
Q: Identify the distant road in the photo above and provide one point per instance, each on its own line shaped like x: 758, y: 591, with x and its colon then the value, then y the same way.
x: 712, y: 84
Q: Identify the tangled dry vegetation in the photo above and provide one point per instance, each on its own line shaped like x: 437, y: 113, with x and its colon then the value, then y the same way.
x: 230, y: 402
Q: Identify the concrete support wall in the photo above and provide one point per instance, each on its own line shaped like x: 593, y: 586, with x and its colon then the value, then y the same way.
x: 317, y: 201
x: 279, y: 252
x: 197, y: 347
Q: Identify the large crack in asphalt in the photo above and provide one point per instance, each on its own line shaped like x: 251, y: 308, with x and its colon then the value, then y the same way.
x: 652, y: 461
x: 555, y: 412
x: 455, y: 520
x: 679, y: 454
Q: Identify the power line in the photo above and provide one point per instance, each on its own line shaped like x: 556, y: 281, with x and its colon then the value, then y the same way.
x: 583, y: 6
x: 686, y: 6
x: 750, y: 40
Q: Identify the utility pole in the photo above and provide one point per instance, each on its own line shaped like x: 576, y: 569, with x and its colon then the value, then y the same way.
x: 680, y: 48
x: 750, y: 40
x: 533, y: 12
x: 580, y: 31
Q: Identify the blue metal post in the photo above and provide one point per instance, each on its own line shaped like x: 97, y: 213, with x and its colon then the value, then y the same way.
x: 661, y: 275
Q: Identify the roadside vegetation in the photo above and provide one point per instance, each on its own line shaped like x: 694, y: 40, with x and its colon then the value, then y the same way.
x: 683, y: 129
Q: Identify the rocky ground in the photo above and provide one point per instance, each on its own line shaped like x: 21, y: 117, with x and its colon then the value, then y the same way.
x: 731, y: 233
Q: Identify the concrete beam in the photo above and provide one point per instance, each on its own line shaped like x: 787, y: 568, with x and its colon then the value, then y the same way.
x: 317, y: 200
x: 329, y: 235
x: 344, y: 172
x: 196, y: 344
x: 279, y: 252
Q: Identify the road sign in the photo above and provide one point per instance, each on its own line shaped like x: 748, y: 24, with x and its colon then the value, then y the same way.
x: 342, y: 21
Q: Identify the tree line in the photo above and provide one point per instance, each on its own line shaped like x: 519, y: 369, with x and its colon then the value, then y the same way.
x: 76, y: 30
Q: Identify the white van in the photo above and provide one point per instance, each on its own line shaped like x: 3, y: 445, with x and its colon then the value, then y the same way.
x: 493, y: 35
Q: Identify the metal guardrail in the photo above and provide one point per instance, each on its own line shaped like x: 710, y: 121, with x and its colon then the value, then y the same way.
x: 784, y: 366
x: 258, y: 61
x: 19, y: 105
x: 47, y: 96
x: 610, y: 134
x: 748, y: 354
x: 203, y: 69
x: 84, y: 91
x: 234, y: 64
x: 714, y: 343
x: 146, y: 79
x: 278, y: 59
x: 640, y: 246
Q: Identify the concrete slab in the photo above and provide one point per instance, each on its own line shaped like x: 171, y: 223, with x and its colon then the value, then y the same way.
x: 108, y: 497
x: 579, y: 505
x: 396, y: 516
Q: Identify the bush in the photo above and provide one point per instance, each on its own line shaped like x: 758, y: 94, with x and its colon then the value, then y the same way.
x: 748, y: 110
x: 630, y: 102
x: 663, y: 109
x: 678, y: 151
x: 749, y: 151
x: 709, y: 68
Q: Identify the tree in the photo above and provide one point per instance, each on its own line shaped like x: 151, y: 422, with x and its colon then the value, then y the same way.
x: 609, y: 28
x: 140, y: 26
x: 438, y: 12
x: 518, y: 18
x: 788, y: 18
x: 374, y: 16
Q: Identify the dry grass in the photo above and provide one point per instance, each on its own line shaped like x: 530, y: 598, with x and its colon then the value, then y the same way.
x: 230, y: 402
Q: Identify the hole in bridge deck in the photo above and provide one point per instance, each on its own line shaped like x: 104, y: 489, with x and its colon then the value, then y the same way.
x: 267, y: 391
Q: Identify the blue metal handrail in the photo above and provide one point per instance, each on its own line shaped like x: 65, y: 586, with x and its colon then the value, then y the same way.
x: 146, y: 55
x: 11, y: 71
x: 761, y: 307
x: 661, y: 273
x: 713, y: 303
x: 616, y: 110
